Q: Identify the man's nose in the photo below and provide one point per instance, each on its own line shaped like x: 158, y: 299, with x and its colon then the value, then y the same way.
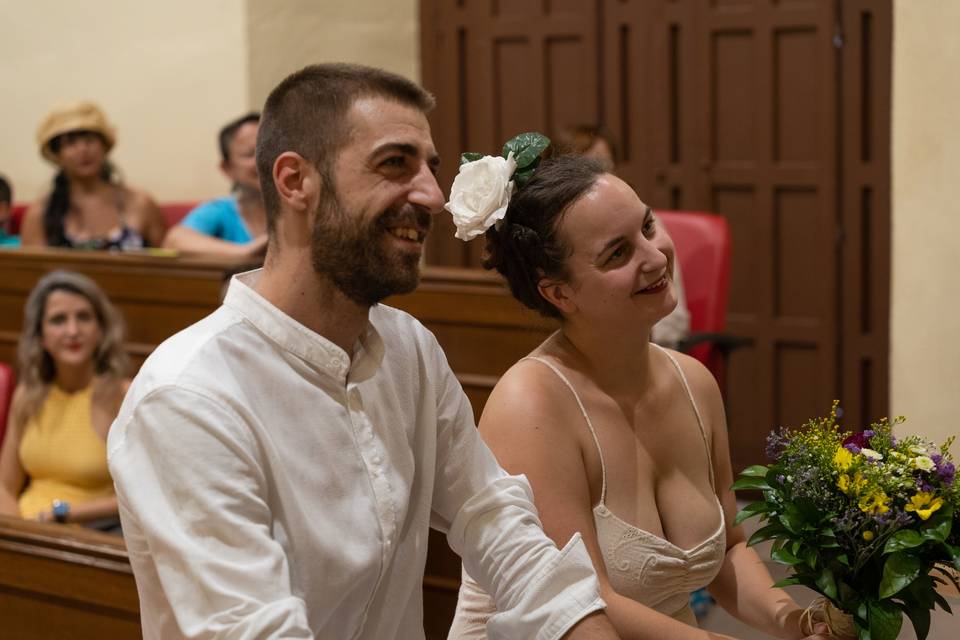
x: 426, y: 192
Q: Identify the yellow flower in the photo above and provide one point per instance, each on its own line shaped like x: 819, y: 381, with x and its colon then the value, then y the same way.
x: 924, y: 504
x: 851, y: 485
x: 842, y: 459
x: 843, y: 482
x: 868, y: 535
x: 875, y: 503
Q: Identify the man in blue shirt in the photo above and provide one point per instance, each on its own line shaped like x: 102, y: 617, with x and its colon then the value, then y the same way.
x: 236, y: 225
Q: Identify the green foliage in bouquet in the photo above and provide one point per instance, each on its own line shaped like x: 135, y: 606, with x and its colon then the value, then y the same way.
x: 527, y: 149
x: 865, y: 519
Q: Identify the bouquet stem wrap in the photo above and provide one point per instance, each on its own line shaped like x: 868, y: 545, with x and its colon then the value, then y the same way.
x: 839, y: 624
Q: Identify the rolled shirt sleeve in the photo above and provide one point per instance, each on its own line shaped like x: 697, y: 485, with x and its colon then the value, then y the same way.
x: 492, y: 523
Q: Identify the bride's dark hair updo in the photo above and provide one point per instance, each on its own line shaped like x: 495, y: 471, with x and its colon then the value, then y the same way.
x: 527, y: 248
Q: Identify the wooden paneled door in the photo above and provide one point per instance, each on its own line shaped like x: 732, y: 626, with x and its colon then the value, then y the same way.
x: 752, y: 135
x: 774, y: 113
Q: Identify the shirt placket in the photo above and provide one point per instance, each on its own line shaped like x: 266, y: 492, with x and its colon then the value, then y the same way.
x: 374, y: 455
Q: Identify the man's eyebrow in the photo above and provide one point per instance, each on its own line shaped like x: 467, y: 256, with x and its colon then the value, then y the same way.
x: 402, y: 147
x: 407, y: 149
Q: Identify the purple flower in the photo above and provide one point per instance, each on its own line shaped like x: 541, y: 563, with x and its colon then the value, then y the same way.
x: 859, y: 440
x: 893, y: 517
x: 852, y: 448
x: 777, y: 441
x: 946, y: 472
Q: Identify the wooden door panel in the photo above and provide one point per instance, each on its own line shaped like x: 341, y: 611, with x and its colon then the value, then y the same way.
x: 774, y: 113
x: 499, y: 68
x: 865, y: 208
x: 796, y: 124
x: 733, y: 101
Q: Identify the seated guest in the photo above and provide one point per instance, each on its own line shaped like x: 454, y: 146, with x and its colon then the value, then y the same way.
x: 590, y: 141
x: 72, y: 378
x: 597, y: 143
x: 88, y: 208
x: 237, y: 224
x: 6, y: 205
x: 621, y: 440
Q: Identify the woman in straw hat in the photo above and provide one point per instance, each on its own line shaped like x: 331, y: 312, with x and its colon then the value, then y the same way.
x: 88, y: 207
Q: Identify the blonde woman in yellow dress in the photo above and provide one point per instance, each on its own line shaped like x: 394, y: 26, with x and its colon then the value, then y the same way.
x: 72, y: 378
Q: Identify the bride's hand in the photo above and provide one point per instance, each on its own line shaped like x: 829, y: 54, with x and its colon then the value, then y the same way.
x: 820, y: 632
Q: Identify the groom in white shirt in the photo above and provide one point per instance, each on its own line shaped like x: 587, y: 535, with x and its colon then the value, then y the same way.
x: 278, y: 464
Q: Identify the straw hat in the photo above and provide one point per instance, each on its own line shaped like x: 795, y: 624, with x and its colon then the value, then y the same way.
x: 80, y: 115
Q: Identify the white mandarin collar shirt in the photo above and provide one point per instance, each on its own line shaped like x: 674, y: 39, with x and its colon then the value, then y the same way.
x: 272, y: 485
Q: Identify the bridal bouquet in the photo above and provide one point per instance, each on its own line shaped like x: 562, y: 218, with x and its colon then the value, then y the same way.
x: 865, y: 519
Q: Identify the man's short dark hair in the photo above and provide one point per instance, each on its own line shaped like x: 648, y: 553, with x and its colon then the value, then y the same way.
x: 229, y: 132
x: 6, y: 193
x: 306, y: 114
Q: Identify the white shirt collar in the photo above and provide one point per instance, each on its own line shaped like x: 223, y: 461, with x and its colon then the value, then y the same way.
x: 300, y: 340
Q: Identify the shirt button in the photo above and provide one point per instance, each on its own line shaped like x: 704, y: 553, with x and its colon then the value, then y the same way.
x: 377, y: 459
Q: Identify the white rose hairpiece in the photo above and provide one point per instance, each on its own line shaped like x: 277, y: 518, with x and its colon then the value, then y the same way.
x: 482, y: 189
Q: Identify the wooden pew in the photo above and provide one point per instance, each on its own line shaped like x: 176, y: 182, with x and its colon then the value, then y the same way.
x: 62, y: 581
x: 157, y: 295
x: 481, y: 328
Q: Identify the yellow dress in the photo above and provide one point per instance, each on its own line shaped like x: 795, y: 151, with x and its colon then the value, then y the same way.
x: 62, y: 455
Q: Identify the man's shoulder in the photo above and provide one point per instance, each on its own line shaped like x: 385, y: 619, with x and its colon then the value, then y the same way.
x: 395, y: 324
x: 193, y: 356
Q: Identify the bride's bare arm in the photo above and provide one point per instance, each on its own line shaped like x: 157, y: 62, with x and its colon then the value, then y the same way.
x: 743, y: 585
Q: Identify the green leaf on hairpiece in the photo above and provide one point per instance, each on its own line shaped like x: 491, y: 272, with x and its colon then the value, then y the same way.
x: 526, y: 148
x: 522, y: 177
x: 469, y: 156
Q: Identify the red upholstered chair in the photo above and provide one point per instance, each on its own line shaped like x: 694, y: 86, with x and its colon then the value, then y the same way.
x: 7, y: 382
x: 702, y: 243
x: 174, y: 212
x: 16, y: 217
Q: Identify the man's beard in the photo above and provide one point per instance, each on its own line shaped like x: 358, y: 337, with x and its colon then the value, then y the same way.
x: 351, y: 254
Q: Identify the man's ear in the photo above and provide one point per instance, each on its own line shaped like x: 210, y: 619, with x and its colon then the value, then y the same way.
x: 557, y: 293
x: 297, y: 182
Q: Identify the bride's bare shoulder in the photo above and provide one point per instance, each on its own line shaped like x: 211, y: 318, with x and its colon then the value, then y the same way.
x: 529, y: 393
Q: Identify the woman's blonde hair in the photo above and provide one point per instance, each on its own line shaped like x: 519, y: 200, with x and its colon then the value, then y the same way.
x: 37, y: 369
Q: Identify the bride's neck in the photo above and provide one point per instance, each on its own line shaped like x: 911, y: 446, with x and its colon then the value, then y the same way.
x: 618, y: 362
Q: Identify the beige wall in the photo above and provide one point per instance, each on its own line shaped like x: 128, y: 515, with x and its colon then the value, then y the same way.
x: 285, y: 36
x: 168, y: 74
x: 925, y: 306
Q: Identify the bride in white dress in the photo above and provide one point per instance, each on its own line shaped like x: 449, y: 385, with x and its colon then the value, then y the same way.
x: 621, y: 440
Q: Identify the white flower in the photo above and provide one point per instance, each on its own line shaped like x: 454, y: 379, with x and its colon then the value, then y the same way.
x: 873, y: 455
x: 917, y: 451
x: 923, y: 463
x: 480, y: 194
